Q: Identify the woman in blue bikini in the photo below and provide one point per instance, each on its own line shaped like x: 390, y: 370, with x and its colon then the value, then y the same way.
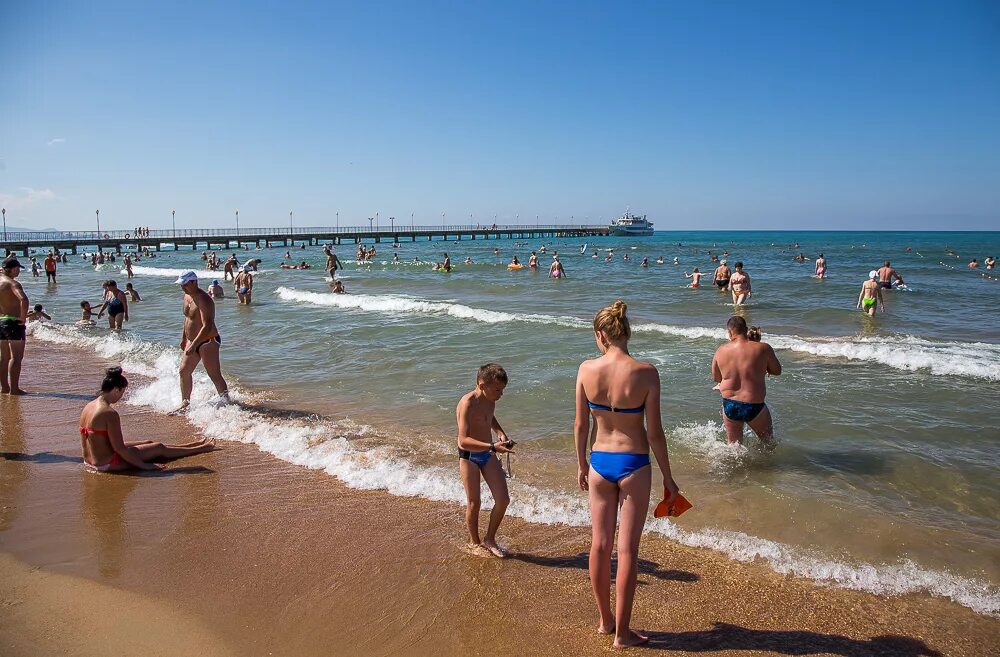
x: 623, y: 396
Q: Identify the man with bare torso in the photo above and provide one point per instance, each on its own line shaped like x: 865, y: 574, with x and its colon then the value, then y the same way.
x: 13, y: 316
x: 722, y: 275
x: 244, y: 286
x: 886, y: 275
x: 739, y: 368
x: 200, y: 340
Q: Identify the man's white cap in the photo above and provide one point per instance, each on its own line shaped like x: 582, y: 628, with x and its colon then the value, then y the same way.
x: 187, y: 277
x: 873, y: 274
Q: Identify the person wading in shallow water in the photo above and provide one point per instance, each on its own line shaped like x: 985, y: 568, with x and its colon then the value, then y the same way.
x: 200, y: 339
x: 739, y: 368
x: 623, y: 396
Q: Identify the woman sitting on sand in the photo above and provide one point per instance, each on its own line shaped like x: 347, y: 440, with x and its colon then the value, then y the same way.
x: 623, y: 395
x: 104, y: 446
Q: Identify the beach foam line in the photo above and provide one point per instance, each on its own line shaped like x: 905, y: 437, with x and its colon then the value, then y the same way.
x: 908, y: 353
x: 388, y: 303
x: 326, y: 444
x: 203, y: 274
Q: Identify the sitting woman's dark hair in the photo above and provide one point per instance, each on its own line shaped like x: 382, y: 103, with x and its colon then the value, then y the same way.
x: 113, y: 378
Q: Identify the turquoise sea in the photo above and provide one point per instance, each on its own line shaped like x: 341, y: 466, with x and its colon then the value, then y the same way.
x: 886, y: 475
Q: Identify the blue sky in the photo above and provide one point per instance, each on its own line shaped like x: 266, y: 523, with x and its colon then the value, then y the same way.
x: 749, y: 115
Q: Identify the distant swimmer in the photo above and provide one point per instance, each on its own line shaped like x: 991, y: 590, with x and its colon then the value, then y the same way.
x: 800, y: 258
x: 103, y: 441
x: 128, y: 267
x: 50, y: 268
x: 244, y: 286
x: 626, y: 257
x: 677, y: 260
x: 622, y: 395
x: 200, y: 339
x: 476, y: 416
x: 468, y: 260
x: 288, y: 255
x: 556, y: 269
x: 820, y: 266
x: 252, y: 264
x: 739, y: 285
x: 133, y: 295
x: 395, y: 258
x: 696, y: 275
x: 609, y: 258
x: 496, y: 251
x: 871, y: 294
x: 886, y: 276
x: 533, y: 261
x: 659, y: 260
x: 446, y: 265
x: 644, y: 263
x: 974, y: 264
x: 514, y: 261
x: 216, y: 291
x: 739, y: 368
x: 722, y: 275
x: 337, y: 287
x: 229, y: 267
x: 991, y: 262
x: 116, y: 303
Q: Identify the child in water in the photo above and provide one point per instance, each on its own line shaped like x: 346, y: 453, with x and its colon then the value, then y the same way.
x: 38, y: 314
x: 477, y: 454
x: 87, y: 315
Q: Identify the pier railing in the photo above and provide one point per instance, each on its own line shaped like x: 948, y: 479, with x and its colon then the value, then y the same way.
x: 249, y: 233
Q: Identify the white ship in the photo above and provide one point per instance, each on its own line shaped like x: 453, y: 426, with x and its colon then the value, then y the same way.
x: 630, y: 225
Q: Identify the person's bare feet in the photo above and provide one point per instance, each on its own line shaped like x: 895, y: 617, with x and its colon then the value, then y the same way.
x: 633, y: 639
x: 496, y: 549
x: 181, y: 410
x: 606, y: 628
x: 18, y: 391
x: 477, y: 549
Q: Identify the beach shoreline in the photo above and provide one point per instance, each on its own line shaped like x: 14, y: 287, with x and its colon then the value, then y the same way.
x: 278, y: 559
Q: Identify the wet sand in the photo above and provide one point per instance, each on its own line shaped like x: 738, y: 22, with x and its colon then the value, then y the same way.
x: 258, y: 557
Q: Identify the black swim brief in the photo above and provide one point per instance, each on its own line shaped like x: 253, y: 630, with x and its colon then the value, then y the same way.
x: 11, y: 329
x: 886, y: 284
x: 722, y: 282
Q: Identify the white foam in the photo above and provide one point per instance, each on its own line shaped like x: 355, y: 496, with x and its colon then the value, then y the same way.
x: 326, y: 445
x: 970, y: 359
x: 397, y: 304
x: 202, y: 274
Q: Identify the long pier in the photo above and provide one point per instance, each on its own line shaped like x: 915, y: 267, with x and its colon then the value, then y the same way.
x: 226, y: 238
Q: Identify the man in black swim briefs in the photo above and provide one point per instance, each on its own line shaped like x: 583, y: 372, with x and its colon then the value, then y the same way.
x: 13, y: 316
x: 722, y: 275
x: 739, y: 367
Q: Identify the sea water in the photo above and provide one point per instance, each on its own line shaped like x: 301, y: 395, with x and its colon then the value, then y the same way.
x: 885, y: 478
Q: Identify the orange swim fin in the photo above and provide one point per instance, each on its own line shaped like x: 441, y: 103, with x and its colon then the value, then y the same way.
x: 679, y: 506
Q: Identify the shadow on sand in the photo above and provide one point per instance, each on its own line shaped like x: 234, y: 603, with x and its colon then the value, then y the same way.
x: 725, y: 636
x: 40, y: 457
x: 581, y: 561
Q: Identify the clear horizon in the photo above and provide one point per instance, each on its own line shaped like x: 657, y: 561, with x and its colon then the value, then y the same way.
x: 777, y: 116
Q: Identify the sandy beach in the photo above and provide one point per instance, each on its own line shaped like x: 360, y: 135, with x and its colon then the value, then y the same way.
x: 236, y: 552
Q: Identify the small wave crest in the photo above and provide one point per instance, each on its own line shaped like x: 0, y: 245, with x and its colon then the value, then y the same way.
x: 388, y: 303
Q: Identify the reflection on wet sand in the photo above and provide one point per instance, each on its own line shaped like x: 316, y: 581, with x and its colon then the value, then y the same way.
x: 13, y: 468
x: 103, y: 508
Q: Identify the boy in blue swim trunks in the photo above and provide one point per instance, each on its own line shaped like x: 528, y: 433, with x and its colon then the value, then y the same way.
x: 477, y: 454
x: 739, y: 367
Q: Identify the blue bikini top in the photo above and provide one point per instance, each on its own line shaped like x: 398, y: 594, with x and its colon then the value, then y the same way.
x: 602, y: 407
